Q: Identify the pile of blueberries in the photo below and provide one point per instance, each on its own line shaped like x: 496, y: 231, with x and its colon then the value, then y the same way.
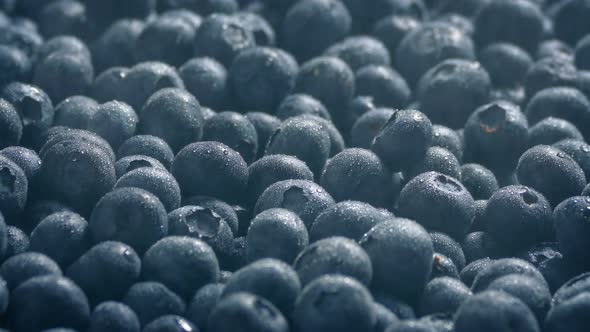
x: 295, y: 165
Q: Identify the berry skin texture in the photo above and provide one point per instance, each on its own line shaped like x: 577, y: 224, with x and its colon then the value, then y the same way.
x: 235, y: 131
x: 131, y: 215
x: 150, y: 300
x: 276, y: 233
x: 248, y: 312
x: 155, y: 180
x: 147, y: 145
x: 329, y: 297
x: 552, y: 130
x: 48, y: 301
x: 10, y: 125
x: 13, y: 188
x: 570, y: 315
x: 203, y: 303
x: 106, y: 271
x: 495, y: 311
x: 206, y: 79
x: 360, y: 51
x: 443, y: 295
x: 353, y: 174
x: 451, y: 207
x: 403, y: 139
x: 113, y: 316
x: 20, y: 268
x: 211, y: 169
x: 392, y: 242
x: 551, y: 172
x: 480, y: 181
x: 571, y: 228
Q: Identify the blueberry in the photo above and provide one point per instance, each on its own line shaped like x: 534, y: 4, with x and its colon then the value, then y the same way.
x: 447, y: 138
x: 77, y: 173
x: 17, y: 242
x: 577, y: 150
x: 61, y: 236
x: 439, y: 160
x: 365, y: 13
x: 202, y: 7
x: 203, y: 302
x: 102, y: 13
x: 355, y: 109
x: 15, y: 64
x: 400, y: 308
x: 506, y: 63
x: 403, y: 140
x: 337, y: 143
x: 130, y: 215
x: 571, y: 229
x: 328, y: 79
x: 326, y: 22
x: 170, y: 323
x: 248, y: 312
x: 37, y: 210
x: 303, y: 138
x: 394, y: 241
x: 268, y: 278
x: 265, y: 125
x: 334, y: 255
x: 234, y: 130
x: 75, y: 112
x: 13, y: 187
x: 221, y: 208
x: 144, y: 80
x: 551, y: 172
x: 204, y: 224
x: 443, y: 295
x: 552, y: 130
x: 115, y: 46
x: 173, y: 115
x: 367, y: 126
x: 222, y: 37
x: 147, y: 145
x: 561, y: 102
x: 390, y: 30
x: 113, y: 316
x: 157, y: 181
x: 151, y: 300
x: 210, y: 168
x: 165, y: 39
x: 428, y: 45
x: 106, y: 271
x: 448, y: 247
x: 495, y: 136
x: 114, y: 121
x: 303, y: 197
x: 22, y: 267
x: 10, y: 124
x: 64, y: 74
x: 206, y: 79
x: 569, y: 21
x: 276, y: 233
x: 64, y: 17
x: 569, y: 316
x: 472, y: 269
x: 518, y: 217
x: 299, y: 104
x: 504, y: 267
x: 48, y: 301
x: 554, y: 48
x: 479, y: 245
x: 130, y: 163
x: 26, y: 40
x: 67, y: 44
x: 34, y: 107
x: 479, y: 180
x: 411, y: 326
x: 109, y: 84
x: 261, y: 77
x: 451, y: 206
x: 358, y: 183
x: 263, y: 32
x: 360, y: 51
x: 519, y: 22
x: 192, y: 261
x: 495, y: 311
x: 59, y: 135
x: 530, y: 291
x: 550, y: 72
x: 385, y: 85
x: 350, y: 219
